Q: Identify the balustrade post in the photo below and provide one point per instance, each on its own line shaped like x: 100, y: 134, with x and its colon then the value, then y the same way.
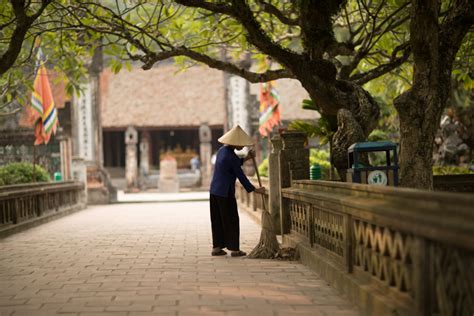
x: 253, y: 201
x: 348, y: 243
x: 423, y: 282
x: 274, y: 190
x: 15, y: 216
x: 294, y: 165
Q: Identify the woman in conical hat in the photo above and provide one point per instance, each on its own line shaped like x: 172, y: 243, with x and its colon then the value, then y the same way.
x: 224, y: 214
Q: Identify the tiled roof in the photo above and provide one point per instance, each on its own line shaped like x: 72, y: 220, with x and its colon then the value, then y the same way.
x: 166, y: 97
x: 162, y: 97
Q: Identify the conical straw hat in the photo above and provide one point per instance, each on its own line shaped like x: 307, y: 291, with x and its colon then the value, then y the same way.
x: 236, y: 137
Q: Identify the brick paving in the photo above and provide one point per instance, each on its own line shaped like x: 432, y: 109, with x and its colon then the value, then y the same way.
x: 151, y: 259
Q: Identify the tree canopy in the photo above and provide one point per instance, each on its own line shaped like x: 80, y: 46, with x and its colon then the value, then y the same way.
x: 337, y: 49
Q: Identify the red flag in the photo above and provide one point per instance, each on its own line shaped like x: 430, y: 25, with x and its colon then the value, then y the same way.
x: 46, y: 115
x: 269, y: 108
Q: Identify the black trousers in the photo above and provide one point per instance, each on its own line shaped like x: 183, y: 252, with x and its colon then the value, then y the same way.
x: 225, y: 222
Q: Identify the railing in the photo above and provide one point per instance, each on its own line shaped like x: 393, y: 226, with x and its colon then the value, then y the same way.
x: 454, y: 183
x: 21, y: 203
x: 252, y: 201
x: 415, y: 246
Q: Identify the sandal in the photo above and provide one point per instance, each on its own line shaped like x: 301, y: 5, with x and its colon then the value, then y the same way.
x: 239, y: 253
x: 219, y: 252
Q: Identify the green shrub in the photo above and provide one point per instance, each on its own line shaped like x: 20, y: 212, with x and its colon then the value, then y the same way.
x: 316, y: 156
x: 320, y: 157
x: 445, y: 170
x: 263, y: 168
x: 22, y: 172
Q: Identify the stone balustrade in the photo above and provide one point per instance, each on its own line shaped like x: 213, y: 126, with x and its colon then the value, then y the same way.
x: 454, y: 183
x: 392, y: 251
x: 29, y: 204
x: 388, y: 249
x: 252, y: 201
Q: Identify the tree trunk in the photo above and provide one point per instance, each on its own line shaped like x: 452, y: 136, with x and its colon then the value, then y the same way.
x: 434, y: 48
x: 417, y: 133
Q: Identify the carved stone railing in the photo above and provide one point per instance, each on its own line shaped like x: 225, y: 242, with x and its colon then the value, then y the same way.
x: 392, y: 251
x: 252, y: 201
x: 454, y: 183
x: 20, y: 204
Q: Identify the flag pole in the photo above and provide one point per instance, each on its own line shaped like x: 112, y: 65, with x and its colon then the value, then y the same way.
x: 34, y: 163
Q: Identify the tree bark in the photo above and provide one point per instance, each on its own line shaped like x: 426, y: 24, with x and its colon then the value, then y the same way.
x: 23, y: 23
x: 417, y: 133
x: 434, y: 48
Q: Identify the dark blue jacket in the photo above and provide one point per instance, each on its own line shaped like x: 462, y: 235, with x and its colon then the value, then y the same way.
x: 226, y: 170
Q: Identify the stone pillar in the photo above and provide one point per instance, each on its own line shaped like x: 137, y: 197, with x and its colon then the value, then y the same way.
x: 205, y: 154
x: 294, y: 165
x: 87, y: 134
x: 144, y: 157
x: 65, y: 153
x: 79, y: 173
x: 131, y: 164
x: 274, y: 181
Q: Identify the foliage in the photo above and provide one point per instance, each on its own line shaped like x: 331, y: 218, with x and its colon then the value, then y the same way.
x: 316, y: 156
x: 321, y: 157
x: 324, y: 128
x: 447, y: 170
x: 350, y: 43
x: 68, y: 50
x: 378, y: 135
x: 263, y: 168
x: 22, y: 172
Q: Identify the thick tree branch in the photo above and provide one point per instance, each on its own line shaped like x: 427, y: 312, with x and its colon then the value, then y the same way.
x: 150, y: 59
x: 270, y: 8
x: 23, y: 24
x: 340, y: 49
x: 460, y: 19
x: 257, y: 36
x: 213, y: 7
x: 380, y: 70
x: 317, y: 26
x: 240, y: 11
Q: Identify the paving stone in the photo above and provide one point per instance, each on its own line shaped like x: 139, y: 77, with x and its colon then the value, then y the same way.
x: 151, y: 259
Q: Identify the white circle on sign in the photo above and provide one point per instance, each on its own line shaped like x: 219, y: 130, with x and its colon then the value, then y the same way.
x: 377, y: 177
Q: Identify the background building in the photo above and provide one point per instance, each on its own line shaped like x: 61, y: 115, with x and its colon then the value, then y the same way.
x: 166, y: 107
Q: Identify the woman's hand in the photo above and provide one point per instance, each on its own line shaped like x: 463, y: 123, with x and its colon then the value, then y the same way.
x: 260, y: 190
x: 250, y: 155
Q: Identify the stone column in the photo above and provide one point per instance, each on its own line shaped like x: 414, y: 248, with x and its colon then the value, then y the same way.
x: 294, y: 165
x: 66, y: 158
x: 205, y: 154
x: 144, y: 159
x: 64, y: 154
x: 274, y: 181
x: 131, y: 164
x: 79, y: 173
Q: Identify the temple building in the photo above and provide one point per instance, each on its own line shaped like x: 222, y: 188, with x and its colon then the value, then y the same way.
x: 165, y: 111
x: 166, y: 108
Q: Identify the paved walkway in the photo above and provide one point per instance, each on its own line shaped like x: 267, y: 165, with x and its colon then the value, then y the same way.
x: 150, y: 259
x: 162, y: 197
